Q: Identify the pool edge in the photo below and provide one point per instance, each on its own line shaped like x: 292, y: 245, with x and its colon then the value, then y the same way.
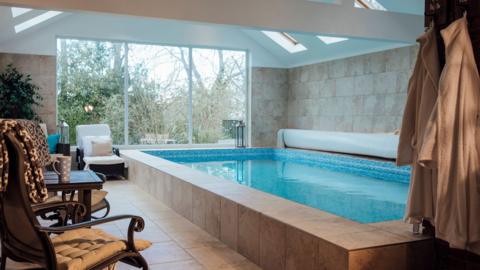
x: 268, y: 229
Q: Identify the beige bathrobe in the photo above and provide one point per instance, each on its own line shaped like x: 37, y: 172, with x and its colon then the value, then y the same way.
x: 451, y: 143
x: 422, y: 94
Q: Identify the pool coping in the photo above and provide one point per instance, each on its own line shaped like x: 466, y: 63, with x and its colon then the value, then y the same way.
x: 345, y: 234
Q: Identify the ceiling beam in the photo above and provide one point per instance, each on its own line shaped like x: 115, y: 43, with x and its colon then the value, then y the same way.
x: 295, y: 16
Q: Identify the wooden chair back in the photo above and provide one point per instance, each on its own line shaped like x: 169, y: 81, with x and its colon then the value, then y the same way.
x: 20, y: 236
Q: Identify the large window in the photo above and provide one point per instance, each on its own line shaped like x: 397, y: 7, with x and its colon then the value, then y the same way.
x: 151, y: 94
x: 219, y: 96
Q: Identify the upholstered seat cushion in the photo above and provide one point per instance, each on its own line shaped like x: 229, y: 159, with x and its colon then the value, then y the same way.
x: 97, y: 197
x: 83, y: 248
x: 105, y: 160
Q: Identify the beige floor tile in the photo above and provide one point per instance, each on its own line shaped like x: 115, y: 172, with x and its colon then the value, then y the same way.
x: 153, y: 234
x: 165, y: 252
x: 176, y: 225
x: 111, y: 229
x: 182, y: 265
x: 194, y: 238
x: 163, y: 215
x: 245, y: 265
x: 216, y: 258
x: 178, y: 244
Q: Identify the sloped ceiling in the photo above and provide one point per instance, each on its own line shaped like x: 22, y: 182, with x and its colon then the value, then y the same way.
x: 404, y: 6
x: 40, y: 39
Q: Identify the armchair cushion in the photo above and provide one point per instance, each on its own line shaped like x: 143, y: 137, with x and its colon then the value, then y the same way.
x: 82, y: 248
x: 110, y: 160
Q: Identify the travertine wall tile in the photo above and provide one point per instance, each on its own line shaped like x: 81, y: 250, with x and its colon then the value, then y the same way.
x: 365, y: 93
x: 270, y: 90
x: 42, y: 69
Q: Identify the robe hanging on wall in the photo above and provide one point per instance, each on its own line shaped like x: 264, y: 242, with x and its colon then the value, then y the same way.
x: 451, y: 143
x: 422, y: 94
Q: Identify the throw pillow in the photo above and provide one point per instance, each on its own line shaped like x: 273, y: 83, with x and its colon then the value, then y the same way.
x: 102, y: 147
x: 52, y: 141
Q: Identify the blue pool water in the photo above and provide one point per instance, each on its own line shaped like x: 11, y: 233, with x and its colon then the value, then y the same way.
x: 357, y: 189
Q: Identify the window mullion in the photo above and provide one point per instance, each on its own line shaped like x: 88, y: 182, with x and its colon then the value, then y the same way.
x: 125, y: 94
x: 190, y: 96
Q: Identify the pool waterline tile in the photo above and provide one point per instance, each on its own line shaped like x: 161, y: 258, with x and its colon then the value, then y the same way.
x: 385, y: 170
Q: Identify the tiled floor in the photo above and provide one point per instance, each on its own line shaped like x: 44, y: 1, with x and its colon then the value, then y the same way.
x: 177, y: 243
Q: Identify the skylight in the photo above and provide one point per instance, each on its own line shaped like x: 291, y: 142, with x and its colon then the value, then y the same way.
x: 285, y: 41
x: 19, y: 11
x: 369, y: 4
x: 330, y: 40
x: 36, y: 20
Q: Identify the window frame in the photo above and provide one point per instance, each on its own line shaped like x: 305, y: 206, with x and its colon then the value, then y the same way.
x: 190, y: 144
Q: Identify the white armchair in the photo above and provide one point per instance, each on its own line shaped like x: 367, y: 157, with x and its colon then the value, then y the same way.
x: 92, y: 152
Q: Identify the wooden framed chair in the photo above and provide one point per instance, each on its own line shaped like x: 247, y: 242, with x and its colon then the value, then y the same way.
x: 75, y: 247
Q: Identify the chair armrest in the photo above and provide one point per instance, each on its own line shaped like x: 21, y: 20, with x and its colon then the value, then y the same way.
x: 65, y: 210
x: 87, y: 224
x: 137, y: 224
x: 47, y: 207
x: 116, y: 151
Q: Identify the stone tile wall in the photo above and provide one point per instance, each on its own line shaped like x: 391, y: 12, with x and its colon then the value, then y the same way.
x: 364, y: 93
x: 43, y: 71
x: 269, y: 104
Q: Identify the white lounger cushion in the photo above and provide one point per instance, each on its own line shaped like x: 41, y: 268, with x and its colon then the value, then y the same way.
x: 91, y: 130
x: 95, y: 131
x: 110, y: 160
x: 370, y: 144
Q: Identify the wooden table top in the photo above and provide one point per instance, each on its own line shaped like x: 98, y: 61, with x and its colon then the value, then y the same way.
x: 78, y: 180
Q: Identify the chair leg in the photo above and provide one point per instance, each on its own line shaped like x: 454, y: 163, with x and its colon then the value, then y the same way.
x: 143, y: 262
x: 3, y: 262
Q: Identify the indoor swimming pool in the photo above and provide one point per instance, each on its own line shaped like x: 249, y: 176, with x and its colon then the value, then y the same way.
x: 358, y: 189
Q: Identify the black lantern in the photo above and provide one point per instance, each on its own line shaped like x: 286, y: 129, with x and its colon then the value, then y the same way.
x: 63, y: 129
x: 240, y: 135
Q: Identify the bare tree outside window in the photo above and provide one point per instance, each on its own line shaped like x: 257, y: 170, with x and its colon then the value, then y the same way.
x: 158, y: 88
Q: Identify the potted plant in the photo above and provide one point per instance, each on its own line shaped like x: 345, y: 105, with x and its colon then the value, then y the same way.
x: 18, y: 95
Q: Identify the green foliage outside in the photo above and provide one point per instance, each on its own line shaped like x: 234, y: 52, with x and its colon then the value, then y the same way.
x: 91, y: 75
x: 18, y: 95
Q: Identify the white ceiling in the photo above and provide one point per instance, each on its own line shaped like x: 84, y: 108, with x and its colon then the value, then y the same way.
x: 40, y: 39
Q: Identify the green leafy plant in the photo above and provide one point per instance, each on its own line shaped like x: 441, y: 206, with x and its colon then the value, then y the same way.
x: 18, y: 95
